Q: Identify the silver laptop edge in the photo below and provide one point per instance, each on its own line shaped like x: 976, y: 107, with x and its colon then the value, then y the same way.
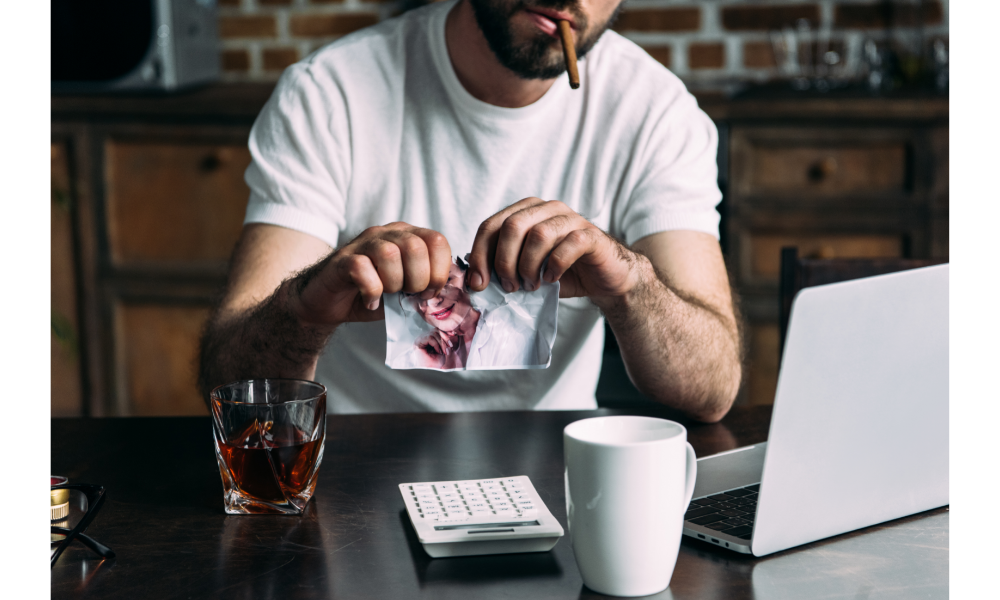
x: 859, y: 429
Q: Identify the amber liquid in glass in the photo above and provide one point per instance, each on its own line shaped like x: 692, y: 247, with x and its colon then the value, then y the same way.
x: 274, y: 469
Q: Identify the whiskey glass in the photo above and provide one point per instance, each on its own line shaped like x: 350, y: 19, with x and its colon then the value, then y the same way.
x: 269, y: 438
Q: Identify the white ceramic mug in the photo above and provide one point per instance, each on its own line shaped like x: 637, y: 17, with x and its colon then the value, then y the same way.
x: 628, y: 482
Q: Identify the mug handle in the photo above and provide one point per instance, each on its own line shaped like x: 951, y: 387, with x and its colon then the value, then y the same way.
x: 692, y: 473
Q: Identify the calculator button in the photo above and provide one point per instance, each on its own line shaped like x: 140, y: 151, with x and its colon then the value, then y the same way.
x: 448, y: 495
x: 521, y: 497
x: 451, y: 519
x: 526, y: 507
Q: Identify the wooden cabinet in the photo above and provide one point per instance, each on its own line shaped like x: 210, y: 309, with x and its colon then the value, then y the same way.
x: 862, y: 178
x: 148, y: 202
x: 66, y: 368
x: 158, y: 194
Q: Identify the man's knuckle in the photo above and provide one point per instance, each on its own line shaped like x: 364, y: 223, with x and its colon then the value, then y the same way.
x: 412, y: 245
x: 579, y: 236
x: 387, y: 252
x: 515, y: 224
x: 355, y: 262
x: 357, y: 268
x: 435, y: 239
x: 558, y: 262
x: 488, y: 226
x: 372, y: 232
x: 540, y: 234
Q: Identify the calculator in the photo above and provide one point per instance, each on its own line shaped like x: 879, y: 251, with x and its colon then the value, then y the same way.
x: 480, y: 516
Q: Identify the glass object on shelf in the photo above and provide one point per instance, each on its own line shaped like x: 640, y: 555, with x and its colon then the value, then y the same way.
x: 939, y: 55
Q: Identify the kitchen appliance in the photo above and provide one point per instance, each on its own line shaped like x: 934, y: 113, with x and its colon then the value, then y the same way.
x: 133, y: 45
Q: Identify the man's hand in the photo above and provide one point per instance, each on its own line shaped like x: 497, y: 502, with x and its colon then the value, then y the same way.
x: 278, y: 313
x: 347, y: 285
x: 516, y: 240
x: 667, y: 301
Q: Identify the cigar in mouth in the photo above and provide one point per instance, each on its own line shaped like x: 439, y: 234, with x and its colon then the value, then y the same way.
x: 569, y: 51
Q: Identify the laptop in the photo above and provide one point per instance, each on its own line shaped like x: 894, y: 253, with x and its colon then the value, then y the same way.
x: 859, y: 428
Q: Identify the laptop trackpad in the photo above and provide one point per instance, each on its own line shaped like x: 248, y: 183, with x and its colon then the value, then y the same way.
x: 730, y: 469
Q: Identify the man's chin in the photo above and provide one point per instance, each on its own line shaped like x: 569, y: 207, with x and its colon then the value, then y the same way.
x: 540, y: 66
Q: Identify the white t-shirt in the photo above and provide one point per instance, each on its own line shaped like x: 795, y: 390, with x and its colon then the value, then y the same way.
x: 376, y: 128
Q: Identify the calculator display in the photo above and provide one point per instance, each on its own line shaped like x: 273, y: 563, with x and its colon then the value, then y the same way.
x: 485, y: 525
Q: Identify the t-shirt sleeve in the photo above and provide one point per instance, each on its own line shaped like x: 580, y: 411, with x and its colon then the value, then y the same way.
x: 676, y: 185
x: 300, y: 167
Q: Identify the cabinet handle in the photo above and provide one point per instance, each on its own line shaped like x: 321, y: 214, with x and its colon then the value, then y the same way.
x: 210, y: 163
x: 822, y: 169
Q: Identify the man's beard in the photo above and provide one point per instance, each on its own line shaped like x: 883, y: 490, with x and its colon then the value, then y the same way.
x: 532, y: 58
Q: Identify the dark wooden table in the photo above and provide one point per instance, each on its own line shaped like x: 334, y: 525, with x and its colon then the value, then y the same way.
x: 164, y: 518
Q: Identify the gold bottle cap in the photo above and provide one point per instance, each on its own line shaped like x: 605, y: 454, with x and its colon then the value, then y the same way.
x: 60, y: 499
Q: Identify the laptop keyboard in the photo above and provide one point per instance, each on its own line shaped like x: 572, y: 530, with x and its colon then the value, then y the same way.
x: 730, y: 512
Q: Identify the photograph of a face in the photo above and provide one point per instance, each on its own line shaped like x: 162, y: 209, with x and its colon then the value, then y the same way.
x: 460, y: 330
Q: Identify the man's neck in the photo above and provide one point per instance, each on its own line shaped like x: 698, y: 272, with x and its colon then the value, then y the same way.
x: 478, y: 69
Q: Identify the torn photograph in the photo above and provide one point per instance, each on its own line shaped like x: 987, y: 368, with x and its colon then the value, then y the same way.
x: 461, y: 330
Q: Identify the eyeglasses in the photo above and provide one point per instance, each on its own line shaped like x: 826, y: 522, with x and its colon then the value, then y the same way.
x: 95, y: 495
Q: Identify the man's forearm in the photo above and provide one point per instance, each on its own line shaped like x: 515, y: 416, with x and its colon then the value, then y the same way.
x: 267, y: 340
x: 677, y: 350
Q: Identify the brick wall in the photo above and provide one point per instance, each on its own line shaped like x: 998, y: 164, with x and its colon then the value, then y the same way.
x: 708, y: 43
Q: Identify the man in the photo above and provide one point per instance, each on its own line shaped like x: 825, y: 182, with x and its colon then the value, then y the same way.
x: 438, y: 133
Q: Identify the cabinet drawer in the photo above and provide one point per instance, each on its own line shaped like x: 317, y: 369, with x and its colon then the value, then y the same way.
x: 157, y: 349
x: 821, y: 164
x: 764, y: 250
x: 174, y: 203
